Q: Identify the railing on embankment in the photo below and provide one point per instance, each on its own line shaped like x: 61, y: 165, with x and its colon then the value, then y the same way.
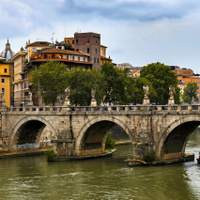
x: 117, y: 108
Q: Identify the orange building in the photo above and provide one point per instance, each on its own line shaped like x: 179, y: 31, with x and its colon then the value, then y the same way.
x: 185, y: 80
x: 70, y: 58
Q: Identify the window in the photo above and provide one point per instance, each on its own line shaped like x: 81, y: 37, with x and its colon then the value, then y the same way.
x: 88, y: 40
x: 3, y: 80
x: 72, y: 41
x: 45, y: 55
x: 77, y: 49
x: 77, y: 41
x: 2, y: 90
x: 25, y: 93
x: 88, y: 50
x: 96, y: 51
x: 97, y: 60
x: 53, y: 56
x: 94, y: 60
x: 5, y: 70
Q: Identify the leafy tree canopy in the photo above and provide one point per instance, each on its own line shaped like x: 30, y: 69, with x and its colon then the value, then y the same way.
x: 189, y: 92
x: 81, y: 82
x: 161, y: 77
x: 117, y: 84
x: 51, y: 79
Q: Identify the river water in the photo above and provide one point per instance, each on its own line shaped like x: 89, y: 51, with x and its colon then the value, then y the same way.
x: 32, y: 178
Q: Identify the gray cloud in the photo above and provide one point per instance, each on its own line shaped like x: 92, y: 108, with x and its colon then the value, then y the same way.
x: 20, y: 17
x: 141, y: 10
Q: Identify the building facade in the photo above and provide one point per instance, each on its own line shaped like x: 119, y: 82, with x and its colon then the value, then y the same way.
x: 89, y: 43
x: 5, y: 82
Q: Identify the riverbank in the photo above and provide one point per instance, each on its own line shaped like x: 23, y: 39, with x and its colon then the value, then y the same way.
x: 7, y: 154
x: 135, y: 162
x: 105, y: 154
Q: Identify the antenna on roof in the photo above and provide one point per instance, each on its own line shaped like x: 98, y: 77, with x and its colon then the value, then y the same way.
x: 65, y: 31
x: 52, y: 39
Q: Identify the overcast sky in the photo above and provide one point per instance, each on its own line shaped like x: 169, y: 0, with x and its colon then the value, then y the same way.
x: 135, y: 31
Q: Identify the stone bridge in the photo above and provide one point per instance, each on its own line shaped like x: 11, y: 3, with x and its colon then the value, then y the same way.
x: 82, y: 131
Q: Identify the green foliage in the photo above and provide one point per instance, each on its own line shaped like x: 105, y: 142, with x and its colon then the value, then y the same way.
x: 161, y: 77
x: 5, y: 62
x: 117, y: 82
x: 110, y: 143
x: 150, y: 157
x: 138, y: 90
x: 81, y: 82
x: 190, y: 91
x: 49, y: 153
x: 52, y: 80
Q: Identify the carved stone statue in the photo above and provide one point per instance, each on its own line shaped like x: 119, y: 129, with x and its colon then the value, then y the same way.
x: 30, y: 96
x: 2, y: 97
x: 30, y: 100
x: 146, y: 91
x: 67, y: 92
x: 67, y: 100
x: 93, y: 92
x: 93, y: 100
x: 171, y: 95
x: 146, y: 100
x: 171, y: 92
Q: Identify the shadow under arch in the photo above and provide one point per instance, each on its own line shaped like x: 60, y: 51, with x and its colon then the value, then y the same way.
x: 92, y: 136
x: 173, y: 140
x: 33, y: 127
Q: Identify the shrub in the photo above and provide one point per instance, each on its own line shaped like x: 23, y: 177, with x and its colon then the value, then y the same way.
x: 110, y: 143
x: 150, y: 157
x: 49, y: 153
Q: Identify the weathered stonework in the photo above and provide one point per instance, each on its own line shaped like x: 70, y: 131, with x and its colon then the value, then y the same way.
x: 82, y: 131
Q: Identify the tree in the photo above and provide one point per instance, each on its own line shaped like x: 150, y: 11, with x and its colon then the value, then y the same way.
x: 51, y: 78
x: 116, y: 84
x: 81, y: 82
x: 161, y: 78
x: 189, y: 92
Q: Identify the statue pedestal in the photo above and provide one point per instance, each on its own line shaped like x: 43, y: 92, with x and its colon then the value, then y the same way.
x: 30, y: 103
x: 3, y: 104
x: 171, y: 102
x: 93, y: 102
x: 67, y: 103
x: 146, y: 101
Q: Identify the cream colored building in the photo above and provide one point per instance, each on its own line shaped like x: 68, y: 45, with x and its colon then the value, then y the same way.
x: 19, y: 82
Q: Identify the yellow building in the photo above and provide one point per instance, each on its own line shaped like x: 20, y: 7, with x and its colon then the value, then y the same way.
x: 5, y: 82
x: 103, y: 55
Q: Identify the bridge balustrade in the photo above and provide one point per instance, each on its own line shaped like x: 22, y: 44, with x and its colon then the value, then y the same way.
x: 115, y: 108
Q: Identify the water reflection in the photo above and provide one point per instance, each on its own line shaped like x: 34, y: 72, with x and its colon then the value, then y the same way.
x: 106, y: 178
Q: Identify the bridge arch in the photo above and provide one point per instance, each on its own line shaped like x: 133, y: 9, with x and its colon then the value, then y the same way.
x: 30, y: 121
x: 173, y: 140
x: 97, y: 127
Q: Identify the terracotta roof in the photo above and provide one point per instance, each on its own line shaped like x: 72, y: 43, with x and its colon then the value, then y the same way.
x: 39, y: 43
x: 103, y: 46
x: 105, y: 58
x: 61, y: 51
x: 61, y: 60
